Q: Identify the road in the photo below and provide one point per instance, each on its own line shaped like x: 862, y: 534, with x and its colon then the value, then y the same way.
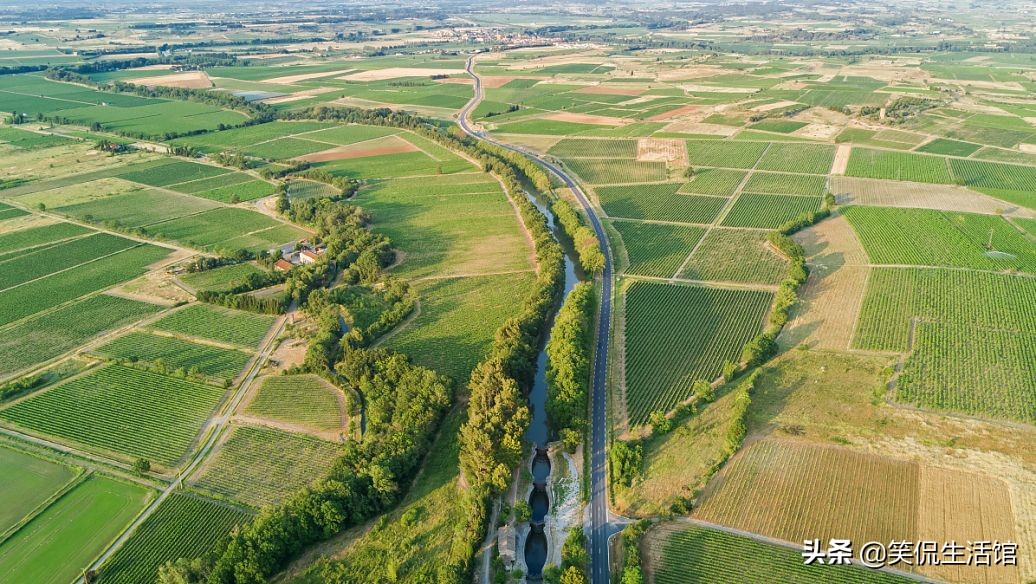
x: 599, y: 526
x: 219, y: 424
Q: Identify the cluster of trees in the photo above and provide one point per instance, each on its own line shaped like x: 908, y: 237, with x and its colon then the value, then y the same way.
x: 588, y: 247
x: 568, y: 368
x: 574, y: 560
x: 15, y: 69
x: 625, y: 459
x: 632, y: 572
x: 404, y: 404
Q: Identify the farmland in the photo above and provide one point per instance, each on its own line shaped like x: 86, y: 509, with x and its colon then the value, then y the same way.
x: 221, y: 278
x: 243, y: 470
x: 175, y: 355
x: 678, y: 334
x: 768, y: 211
x: 223, y: 325
x: 659, y: 202
x: 298, y: 399
x: 715, y: 259
x: 691, y: 553
x: 656, y: 249
x: 114, y: 409
x: 184, y: 525
x: 33, y: 481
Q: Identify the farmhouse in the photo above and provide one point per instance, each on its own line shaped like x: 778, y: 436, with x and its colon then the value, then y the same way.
x: 308, y: 256
x: 282, y: 265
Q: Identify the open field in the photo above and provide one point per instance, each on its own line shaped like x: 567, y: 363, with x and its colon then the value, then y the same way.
x: 184, y: 526
x: 214, y: 323
x: 55, y: 546
x: 30, y: 483
x: 243, y: 470
x: 884, y: 193
x: 676, y: 335
x: 114, y: 409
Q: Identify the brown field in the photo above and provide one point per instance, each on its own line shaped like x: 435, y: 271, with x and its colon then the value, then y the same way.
x: 692, y: 72
x: 610, y: 90
x: 689, y: 127
x: 397, y: 72
x: 299, y: 95
x: 881, y: 193
x: 841, y: 159
x: 376, y: 147
x: 587, y: 119
x: 497, y: 81
x: 831, y: 299
x: 457, y: 80
x: 674, y: 113
x: 188, y: 80
x: 773, y: 106
x: 793, y: 491
x: 289, y: 79
x: 667, y: 150
x: 818, y: 131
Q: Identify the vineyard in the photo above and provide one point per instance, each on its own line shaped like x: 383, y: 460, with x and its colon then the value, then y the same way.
x: 898, y: 166
x: 676, y: 335
x: 725, y: 154
x: 806, y: 158
x: 659, y: 202
x: 221, y: 278
x: 132, y: 412
x: 719, y: 182
x: 298, y: 399
x: 227, y: 228
x: 175, y: 354
x: 243, y: 469
x: 949, y: 147
x: 223, y: 325
x: 184, y: 526
x: 768, y: 211
x: 47, y: 292
x: 924, y: 237
x: 976, y: 371
x: 735, y: 255
x: 173, y: 172
x: 992, y: 175
x: 590, y: 148
x: 691, y: 554
x: 25, y: 239
x: 785, y: 184
x: 36, y: 264
x: 617, y: 170
x: 977, y: 299
x: 38, y: 339
x: 657, y: 249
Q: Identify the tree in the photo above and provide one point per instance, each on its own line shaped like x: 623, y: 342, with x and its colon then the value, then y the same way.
x: 522, y: 511
x: 660, y: 422
x: 142, y: 466
x: 689, y: 173
x: 573, y: 575
x: 703, y: 391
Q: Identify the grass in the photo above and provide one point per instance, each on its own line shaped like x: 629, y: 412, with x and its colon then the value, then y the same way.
x: 136, y: 209
x: 224, y: 325
x: 692, y: 555
x: 226, y: 228
x: 659, y: 202
x: 457, y: 320
x: 184, y: 526
x: 676, y: 335
x: 122, y: 410
x: 59, y: 543
x: 48, y: 292
x: 243, y: 470
x: 925, y: 237
x: 175, y: 354
x: 221, y: 278
x: 768, y: 211
x: 735, y: 255
x: 39, y: 339
x: 657, y: 249
x: 30, y: 482
x: 298, y: 399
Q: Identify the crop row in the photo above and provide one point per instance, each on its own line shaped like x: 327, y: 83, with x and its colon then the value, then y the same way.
x: 768, y: 211
x: 36, y: 264
x: 591, y: 148
x: 659, y: 202
x: 735, y: 255
x: 785, y: 184
x: 805, y: 158
x: 657, y: 249
x: 174, y: 354
x: 298, y: 399
x: 618, y: 170
x: 676, y: 335
x: 235, y: 327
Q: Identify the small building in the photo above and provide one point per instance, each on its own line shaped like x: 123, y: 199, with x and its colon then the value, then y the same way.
x: 308, y: 256
x: 282, y: 265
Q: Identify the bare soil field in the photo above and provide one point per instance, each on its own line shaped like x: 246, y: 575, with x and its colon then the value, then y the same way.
x: 457, y: 80
x: 587, y: 119
x: 299, y: 95
x: 188, y: 80
x: 536, y: 142
x: 689, y: 127
x: 667, y: 150
x: 610, y: 90
x: 818, y: 131
x: 881, y: 193
x: 498, y: 81
x: 289, y: 79
x: 376, y: 147
x: 692, y: 72
x: 674, y: 113
x: 841, y: 159
x: 772, y: 106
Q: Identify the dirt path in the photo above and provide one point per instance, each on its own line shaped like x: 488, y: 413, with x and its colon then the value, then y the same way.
x: 841, y: 159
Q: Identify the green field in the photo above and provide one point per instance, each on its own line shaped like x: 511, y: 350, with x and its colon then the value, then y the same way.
x: 172, y: 354
x: 59, y: 543
x: 657, y: 249
x: 30, y: 482
x: 25, y: 239
x: 39, y: 339
x: 949, y: 147
x: 184, y: 526
x: 136, y: 209
x: 693, y: 555
x: 591, y: 148
x: 223, y: 325
x: 768, y: 211
x: 659, y: 202
x: 725, y: 154
x: 48, y: 292
x: 173, y: 171
x: 923, y: 237
x: 243, y: 469
x: 298, y: 399
x: 676, y: 335
x: 122, y: 410
x: 898, y: 166
x: 21, y: 268
x: 735, y: 255
x: 806, y: 158
x: 227, y: 228
x: 617, y: 170
x: 785, y: 184
x: 720, y: 182
x: 221, y: 278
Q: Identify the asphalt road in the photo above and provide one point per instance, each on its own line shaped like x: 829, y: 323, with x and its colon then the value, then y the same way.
x: 599, y: 527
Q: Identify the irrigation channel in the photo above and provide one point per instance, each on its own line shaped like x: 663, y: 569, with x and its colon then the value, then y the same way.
x: 538, y: 433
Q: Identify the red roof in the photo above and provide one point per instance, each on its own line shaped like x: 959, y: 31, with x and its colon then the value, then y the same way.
x: 282, y: 264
